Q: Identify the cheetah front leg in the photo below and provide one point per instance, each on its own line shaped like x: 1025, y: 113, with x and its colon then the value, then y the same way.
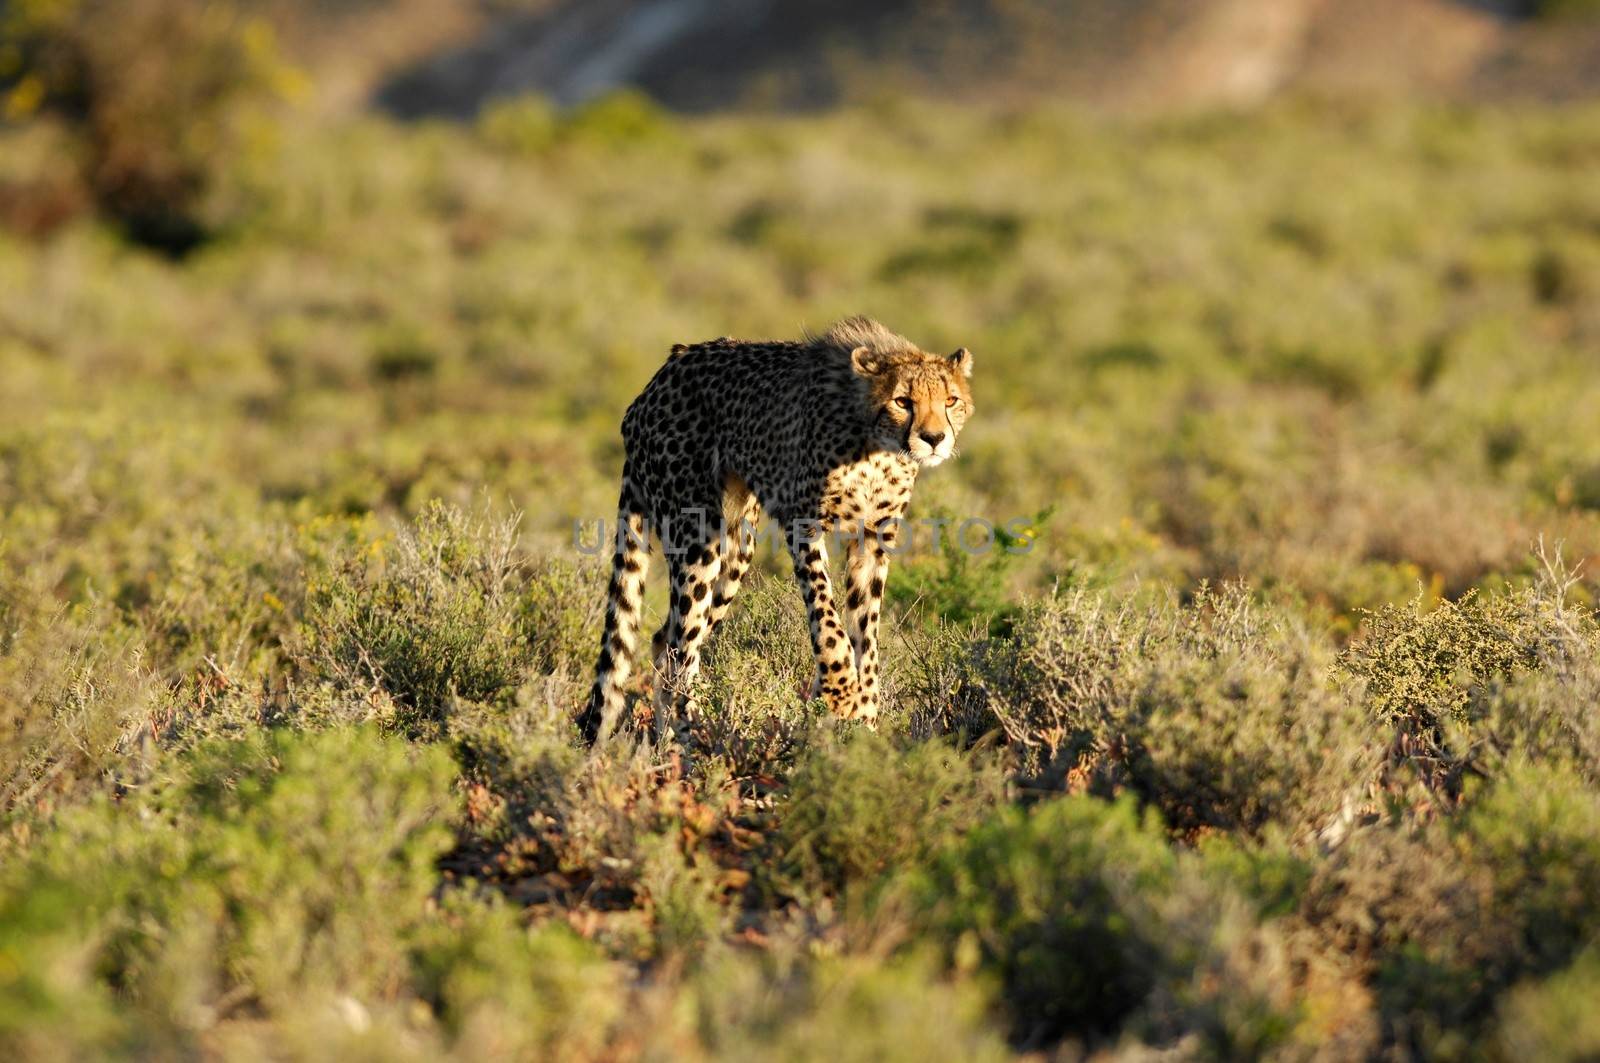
x: 866, y: 572
x: 836, y: 674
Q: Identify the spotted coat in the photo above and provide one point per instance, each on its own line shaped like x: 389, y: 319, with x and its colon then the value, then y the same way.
x: 825, y: 436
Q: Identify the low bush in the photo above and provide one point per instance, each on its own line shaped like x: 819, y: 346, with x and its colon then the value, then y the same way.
x: 1545, y: 718
x: 1218, y: 713
x: 150, y: 86
x: 428, y: 616
x: 76, y: 696
x: 1450, y: 684
x: 504, y: 991
x: 269, y: 871
x: 859, y: 808
x: 1426, y: 666
x: 619, y: 120
x: 1554, y: 1018
x: 1416, y: 925
x: 1061, y: 903
x: 526, y: 125
x: 930, y: 668
x: 964, y: 578
x: 1536, y: 834
x: 625, y: 833
x: 1093, y: 925
x: 1446, y: 919
x: 839, y: 1008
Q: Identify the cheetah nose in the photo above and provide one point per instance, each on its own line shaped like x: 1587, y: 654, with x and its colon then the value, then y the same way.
x: 933, y: 439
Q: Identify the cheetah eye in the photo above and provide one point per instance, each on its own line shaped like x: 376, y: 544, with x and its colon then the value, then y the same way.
x: 904, y: 402
x: 951, y: 401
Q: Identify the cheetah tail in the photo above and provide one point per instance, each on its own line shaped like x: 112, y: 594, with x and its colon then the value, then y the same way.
x: 623, y: 612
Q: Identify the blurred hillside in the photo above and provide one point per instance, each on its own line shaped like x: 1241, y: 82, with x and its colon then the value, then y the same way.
x: 711, y: 54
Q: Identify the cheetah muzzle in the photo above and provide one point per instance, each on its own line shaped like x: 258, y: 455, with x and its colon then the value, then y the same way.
x: 825, y: 435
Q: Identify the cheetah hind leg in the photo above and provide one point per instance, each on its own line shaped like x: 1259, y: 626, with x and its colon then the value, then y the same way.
x: 737, y: 547
x: 624, y: 602
x: 694, y: 568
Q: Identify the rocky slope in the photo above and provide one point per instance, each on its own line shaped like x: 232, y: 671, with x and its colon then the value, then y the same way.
x: 711, y: 54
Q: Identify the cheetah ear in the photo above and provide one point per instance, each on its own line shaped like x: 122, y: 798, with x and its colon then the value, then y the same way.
x: 865, y: 362
x: 962, y: 360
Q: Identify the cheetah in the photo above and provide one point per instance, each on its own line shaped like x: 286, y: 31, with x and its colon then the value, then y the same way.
x: 824, y: 435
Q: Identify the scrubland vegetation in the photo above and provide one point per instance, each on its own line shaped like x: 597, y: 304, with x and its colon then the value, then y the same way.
x: 1279, y: 740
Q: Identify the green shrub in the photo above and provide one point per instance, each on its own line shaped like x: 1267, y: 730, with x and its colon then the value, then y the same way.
x: 620, y: 119
x: 625, y: 830
x: 938, y: 691
x: 1554, y: 1018
x: 316, y: 842
x: 151, y: 86
x: 858, y: 808
x: 1544, y: 718
x: 51, y: 1004
x: 1060, y: 903
x: 277, y: 869
x: 1093, y: 924
x: 561, y: 608
x: 1417, y: 925
x: 966, y: 579
x: 959, y: 241
x: 522, y: 755
x: 502, y: 990
x: 1426, y: 666
x: 1537, y: 834
x: 75, y: 697
x: 1218, y: 713
x: 1435, y: 678
x: 1446, y: 919
x: 526, y: 125
x: 847, y: 1008
x: 1270, y: 873
x: 427, y: 617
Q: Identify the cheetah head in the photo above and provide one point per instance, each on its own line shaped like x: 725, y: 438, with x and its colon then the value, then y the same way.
x: 919, y: 401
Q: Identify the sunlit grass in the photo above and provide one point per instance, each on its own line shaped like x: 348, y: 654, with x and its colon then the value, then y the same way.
x: 292, y: 622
